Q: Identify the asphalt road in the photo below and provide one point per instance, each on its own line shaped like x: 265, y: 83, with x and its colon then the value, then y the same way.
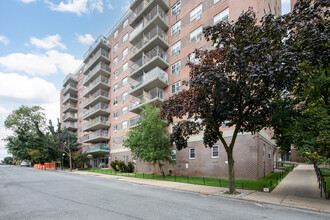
x: 27, y: 193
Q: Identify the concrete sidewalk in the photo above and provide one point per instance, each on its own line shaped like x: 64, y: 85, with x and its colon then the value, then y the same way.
x: 315, y: 204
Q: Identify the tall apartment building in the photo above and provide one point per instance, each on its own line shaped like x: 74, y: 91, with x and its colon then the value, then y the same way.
x: 143, y: 60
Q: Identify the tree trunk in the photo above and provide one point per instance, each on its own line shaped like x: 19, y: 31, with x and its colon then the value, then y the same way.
x: 231, y: 172
x: 161, y: 169
x: 70, y: 159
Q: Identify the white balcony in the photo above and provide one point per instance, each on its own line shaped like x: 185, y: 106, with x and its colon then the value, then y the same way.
x: 97, y: 124
x: 70, y: 78
x: 100, y: 42
x: 99, y: 96
x: 100, y: 109
x: 100, y: 55
x: 100, y: 69
x: 101, y: 82
x: 96, y: 136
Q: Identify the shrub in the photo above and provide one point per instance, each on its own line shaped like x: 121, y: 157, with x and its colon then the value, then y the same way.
x: 122, y: 167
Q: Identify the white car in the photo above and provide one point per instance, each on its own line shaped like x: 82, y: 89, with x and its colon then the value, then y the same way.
x: 24, y: 164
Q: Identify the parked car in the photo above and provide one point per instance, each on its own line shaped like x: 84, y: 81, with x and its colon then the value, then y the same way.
x: 24, y: 164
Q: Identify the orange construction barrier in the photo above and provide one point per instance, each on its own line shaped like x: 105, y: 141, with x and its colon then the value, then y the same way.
x: 43, y: 167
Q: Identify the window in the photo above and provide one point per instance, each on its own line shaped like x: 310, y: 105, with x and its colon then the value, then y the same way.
x: 124, y: 111
x: 125, y: 96
x: 176, y: 87
x: 115, y: 48
x: 196, y: 13
x: 196, y: 35
x: 115, y: 141
x: 115, y: 101
x: 115, y: 74
x: 124, y: 125
x: 176, y: 68
x: 192, y: 154
x: 176, y: 8
x: 115, y: 88
x: 222, y: 16
x: 125, y: 52
x: 176, y: 28
x: 116, y: 158
x: 193, y: 59
x: 215, y: 152
x: 125, y: 67
x: 115, y: 61
x: 269, y: 152
x: 115, y: 35
x: 125, y: 23
x: 125, y: 38
x: 176, y: 48
x: 124, y: 81
x: 115, y: 115
x: 173, y: 155
x: 216, y: 1
x: 115, y: 128
x: 172, y: 126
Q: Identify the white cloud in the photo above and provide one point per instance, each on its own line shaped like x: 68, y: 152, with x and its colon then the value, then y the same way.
x: 4, y: 40
x: 78, y: 7
x: 28, y: 1
x: 18, y: 89
x: 43, y: 64
x: 86, y: 39
x: 48, y: 42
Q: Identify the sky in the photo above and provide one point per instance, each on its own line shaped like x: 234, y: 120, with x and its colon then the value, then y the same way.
x: 41, y: 41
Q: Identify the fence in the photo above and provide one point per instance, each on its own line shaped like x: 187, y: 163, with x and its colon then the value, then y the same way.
x: 322, y: 180
x: 268, y: 182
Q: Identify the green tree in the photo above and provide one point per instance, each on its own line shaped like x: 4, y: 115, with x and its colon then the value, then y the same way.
x: 233, y: 84
x: 150, y: 140
x: 307, y: 126
x: 8, y: 160
x: 80, y: 159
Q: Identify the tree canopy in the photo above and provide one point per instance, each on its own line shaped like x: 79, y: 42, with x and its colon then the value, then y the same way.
x: 150, y: 140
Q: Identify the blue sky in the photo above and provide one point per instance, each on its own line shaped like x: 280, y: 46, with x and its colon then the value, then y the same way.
x: 43, y: 40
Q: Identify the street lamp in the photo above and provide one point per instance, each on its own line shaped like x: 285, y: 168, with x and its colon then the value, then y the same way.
x: 62, y: 161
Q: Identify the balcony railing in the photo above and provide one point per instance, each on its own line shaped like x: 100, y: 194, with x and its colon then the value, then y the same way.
x: 70, y: 76
x: 102, y: 146
x: 98, y: 67
x: 156, y: 11
x: 100, y: 39
x: 133, y: 121
x: 98, y: 106
x: 138, y: 9
x: 98, y: 120
x: 96, y: 81
x: 69, y: 105
x: 95, y: 134
x: 100, y: 92
x: 151, y: 75
x: 156, y: 51
x: 70, y: 86
x: 156, y: 31
x: 68, y: 96
x: 100, y: 52
x: 70, y: 125
x: 148, y: 96
x: 70, y: 115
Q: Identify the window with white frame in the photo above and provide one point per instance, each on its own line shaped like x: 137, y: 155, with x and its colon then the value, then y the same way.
x: 176, y: 68
x: 115, y: 128
x: 115, y: 141
x: 176, y: 28
x: 196, y: 13
x: 115, y: 35
x: 124, y: 125
x: 215, y: 152
x: 124, y: 81
x: 115, y: 48
x: 115, y: 74
x: 216, y: 1
x: 124, y: 111
x: 192, y: 153
x: 176, y: 87
x: 125, y: 96
x: 115, y: 88
x: 115, y: 101
x: 125, y: 38
x: 125, y: 67
x: 115, y: 61
x: 222, y: 16
x: 269, y: 152
x: 193, y: 59
x: 196, y: 35
x: 115, y: 115
x: 173, y: 155
x: 125, y: 23
x: 176, y: 8
x: 176, y: 48
x: 125, y: 52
